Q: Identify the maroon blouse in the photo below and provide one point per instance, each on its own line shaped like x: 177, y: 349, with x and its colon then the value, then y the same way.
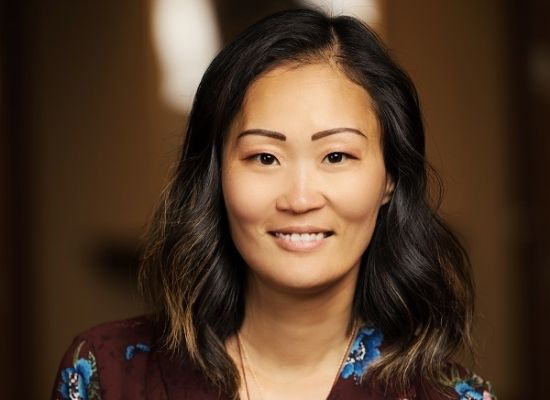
x: 123, y: 360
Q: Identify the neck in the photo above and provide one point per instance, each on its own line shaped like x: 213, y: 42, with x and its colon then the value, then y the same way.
x: 295, y: 330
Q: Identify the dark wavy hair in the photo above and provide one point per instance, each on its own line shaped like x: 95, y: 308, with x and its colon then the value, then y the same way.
x: 414, y: 283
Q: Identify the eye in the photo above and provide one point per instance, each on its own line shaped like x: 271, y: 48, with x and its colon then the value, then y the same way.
x: 337, y: 157
x: 265, y: 159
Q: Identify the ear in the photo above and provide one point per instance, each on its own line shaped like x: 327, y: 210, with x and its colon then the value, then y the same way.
x: 388, y: 192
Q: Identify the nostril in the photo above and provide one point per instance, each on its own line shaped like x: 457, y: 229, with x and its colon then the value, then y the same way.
x: 298, y: 204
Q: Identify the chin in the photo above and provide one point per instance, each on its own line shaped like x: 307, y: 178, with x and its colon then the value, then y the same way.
x: 305, y: 281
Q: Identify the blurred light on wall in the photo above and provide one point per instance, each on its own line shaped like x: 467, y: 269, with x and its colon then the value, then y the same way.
x: 185, y: 39
x: 539, y: 68
x: 367, y: 10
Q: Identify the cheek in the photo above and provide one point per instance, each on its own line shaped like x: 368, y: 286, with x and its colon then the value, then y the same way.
x: 246, y: 201
x: 358, y: 198
x: 357, y: 206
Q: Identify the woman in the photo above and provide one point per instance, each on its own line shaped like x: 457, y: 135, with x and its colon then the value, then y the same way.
x: 295, y: 253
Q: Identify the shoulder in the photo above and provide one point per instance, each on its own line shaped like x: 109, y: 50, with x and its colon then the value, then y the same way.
x: 114, y: 335
x: 458, y: 382
x: 118, y: 341
x: 112, y: 356
x: 454, y: 381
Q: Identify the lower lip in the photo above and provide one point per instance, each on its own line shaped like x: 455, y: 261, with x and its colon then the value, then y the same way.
x: 300, y: 245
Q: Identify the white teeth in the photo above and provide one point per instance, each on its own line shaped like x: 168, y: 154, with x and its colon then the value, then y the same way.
x: 300, y: 237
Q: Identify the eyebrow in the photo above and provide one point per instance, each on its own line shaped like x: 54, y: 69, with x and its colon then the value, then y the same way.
x: 262, y: 132
x: 328, y: 132
x: 315, y: 136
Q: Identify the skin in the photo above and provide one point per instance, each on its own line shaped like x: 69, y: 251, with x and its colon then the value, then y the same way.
x: 304, y: 154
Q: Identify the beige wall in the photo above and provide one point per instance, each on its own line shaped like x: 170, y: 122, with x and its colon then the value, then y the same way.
x: 455, y: 52
x: 101, y: 146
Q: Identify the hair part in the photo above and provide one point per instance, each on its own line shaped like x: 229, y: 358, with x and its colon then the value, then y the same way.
x: 415, y: 282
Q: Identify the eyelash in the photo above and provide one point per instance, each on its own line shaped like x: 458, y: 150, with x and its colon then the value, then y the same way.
x: 269, y: 159
x: 260, y: 157
x: 345, y: 156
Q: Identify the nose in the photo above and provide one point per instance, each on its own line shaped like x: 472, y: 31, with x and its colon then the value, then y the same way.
x: 301, y: 192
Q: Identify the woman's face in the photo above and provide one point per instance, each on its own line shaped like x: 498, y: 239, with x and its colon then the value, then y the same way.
x: 303, y: 177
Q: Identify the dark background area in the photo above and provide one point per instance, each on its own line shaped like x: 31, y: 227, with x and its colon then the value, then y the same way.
x: 87, y: 143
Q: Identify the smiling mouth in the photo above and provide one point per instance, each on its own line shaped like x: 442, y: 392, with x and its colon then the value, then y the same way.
x: 301, y: 237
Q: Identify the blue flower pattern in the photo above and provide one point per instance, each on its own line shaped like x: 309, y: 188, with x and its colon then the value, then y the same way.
x: 470, y: 387
x: 79, y: 382
x: 467, y: 391
x: 131, y: 350
x: 364, y: 350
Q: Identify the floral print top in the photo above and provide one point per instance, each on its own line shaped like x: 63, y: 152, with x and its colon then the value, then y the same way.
x: 120, y: 360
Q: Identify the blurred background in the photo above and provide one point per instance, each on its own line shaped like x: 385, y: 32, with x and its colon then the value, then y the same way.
x: 94, y: 97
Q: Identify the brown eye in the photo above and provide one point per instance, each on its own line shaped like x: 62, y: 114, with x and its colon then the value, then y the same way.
x: 266, y: 159
x: 335, y: 158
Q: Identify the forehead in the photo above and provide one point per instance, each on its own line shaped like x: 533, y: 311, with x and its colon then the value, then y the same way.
x: 310, y: 97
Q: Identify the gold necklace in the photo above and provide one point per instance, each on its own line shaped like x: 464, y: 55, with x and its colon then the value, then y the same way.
x: 243, y: 355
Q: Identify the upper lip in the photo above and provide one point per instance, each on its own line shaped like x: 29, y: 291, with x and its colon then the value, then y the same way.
x: 301, y: 229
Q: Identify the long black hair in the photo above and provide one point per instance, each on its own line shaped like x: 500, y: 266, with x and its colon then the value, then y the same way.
x: 414, y: 282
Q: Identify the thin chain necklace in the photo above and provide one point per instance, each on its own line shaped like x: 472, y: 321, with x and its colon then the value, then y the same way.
x: 243, y: 355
